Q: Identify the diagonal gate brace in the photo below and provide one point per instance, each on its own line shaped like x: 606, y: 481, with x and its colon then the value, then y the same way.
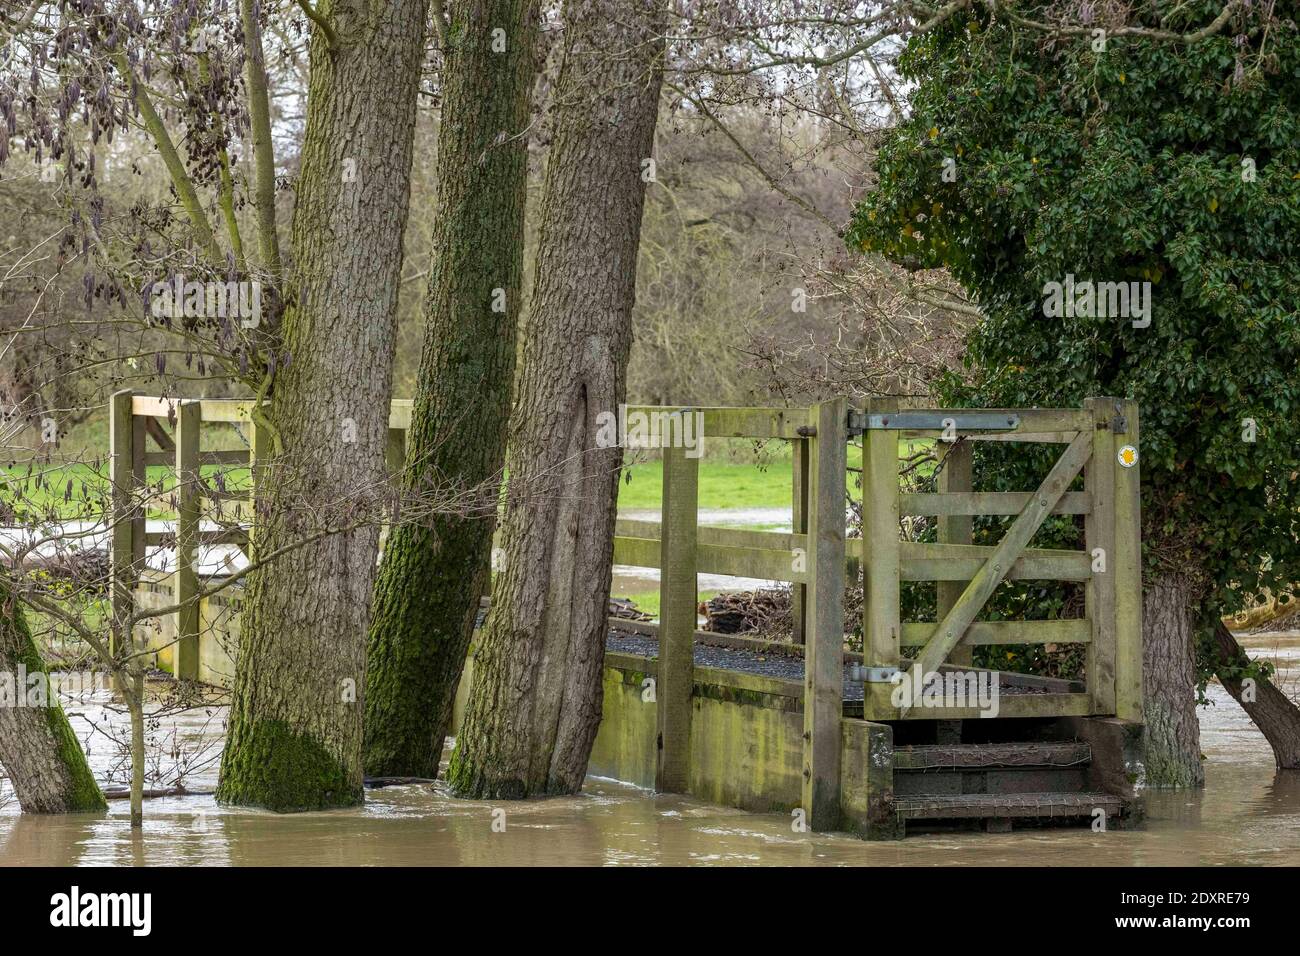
x: 995, y: 569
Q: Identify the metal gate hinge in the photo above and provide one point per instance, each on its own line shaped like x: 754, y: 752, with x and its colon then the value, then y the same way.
x: 872, y: 675
x: 857, y: 422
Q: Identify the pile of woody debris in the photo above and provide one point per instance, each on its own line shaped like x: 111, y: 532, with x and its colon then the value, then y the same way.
x: 765, y: 611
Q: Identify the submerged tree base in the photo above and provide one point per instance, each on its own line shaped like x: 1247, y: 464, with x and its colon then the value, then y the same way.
x: 38, y: 747
x: 1173, y: 731
x: 287, y: 772
x: 427, y: 594
x: 468, y: 781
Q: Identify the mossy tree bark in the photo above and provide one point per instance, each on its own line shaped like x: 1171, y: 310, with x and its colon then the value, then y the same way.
x: 294, y: 740
x: 432, y: 574
x: 535, y: 703
x: 1173, y: 731
x: 38, y: 749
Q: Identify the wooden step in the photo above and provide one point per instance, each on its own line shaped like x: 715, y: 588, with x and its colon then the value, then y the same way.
x: 978, y: 806
x: 986, y: 756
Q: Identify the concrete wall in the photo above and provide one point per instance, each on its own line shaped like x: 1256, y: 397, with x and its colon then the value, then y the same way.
x: 626, y: 744
x: 745, y: 753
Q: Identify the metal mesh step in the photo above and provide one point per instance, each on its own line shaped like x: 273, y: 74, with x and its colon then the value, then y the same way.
x: 979, y: 756
x: 971, y: 806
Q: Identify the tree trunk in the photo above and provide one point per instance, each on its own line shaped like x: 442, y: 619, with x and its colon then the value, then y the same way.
x: 1277, y: 718
x: 1173, y: 732
x: 535, y: 703
x: 134, y: 694
x: 294, y: 740
x: 433, y: 572
x: 38, y: 749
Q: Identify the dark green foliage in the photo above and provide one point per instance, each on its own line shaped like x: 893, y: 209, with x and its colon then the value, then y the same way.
x: 1129, y: 165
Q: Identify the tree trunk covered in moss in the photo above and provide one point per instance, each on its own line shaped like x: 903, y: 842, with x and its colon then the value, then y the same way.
x: 433, y: 572
x: 294, y: 740
x: 1276, y: 716
x: 38, y: 749
x: 1173, y: 732
x: 535, y: 703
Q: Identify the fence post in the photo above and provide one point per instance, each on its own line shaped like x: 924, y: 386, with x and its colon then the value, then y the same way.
x: 800, y: 454
x: 259, y: 454
x: 394, y: 462
x: 185, y: 591
x: 122, y: 479
x: 140, y: 473
x: 1099, y: 541
x: 956, y: 475
x: 677, y: 603
x: 823, y: 703
x: 1128, y: 571
x: 395, y: 451
x: 881, y: 552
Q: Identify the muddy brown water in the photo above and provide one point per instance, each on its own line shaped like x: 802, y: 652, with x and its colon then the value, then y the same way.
x: 1248, y: 814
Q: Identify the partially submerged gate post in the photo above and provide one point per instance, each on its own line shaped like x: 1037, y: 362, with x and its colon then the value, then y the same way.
x: 677, y: 601
x: 185, y: 586
x: 822, y: 612
x: 880, y: 559
x: 126, y: 437
x: 811, y: 558
x: 1128, y: 570
x: 1099, y: 593
x: 1114, y: 526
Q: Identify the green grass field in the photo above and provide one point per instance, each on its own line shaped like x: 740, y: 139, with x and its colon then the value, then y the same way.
x: 730, y: 484
x: 725, y: 484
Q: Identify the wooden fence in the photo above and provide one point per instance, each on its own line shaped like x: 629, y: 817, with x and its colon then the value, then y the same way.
x: 147, y: 431
x: 811, y: 558
x: 1099, y: 441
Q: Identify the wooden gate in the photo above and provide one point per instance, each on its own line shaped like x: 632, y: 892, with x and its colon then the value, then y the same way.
x: 1101, y: 442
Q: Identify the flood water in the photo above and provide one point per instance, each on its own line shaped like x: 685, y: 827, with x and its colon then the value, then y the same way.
x: 1248, y: 814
